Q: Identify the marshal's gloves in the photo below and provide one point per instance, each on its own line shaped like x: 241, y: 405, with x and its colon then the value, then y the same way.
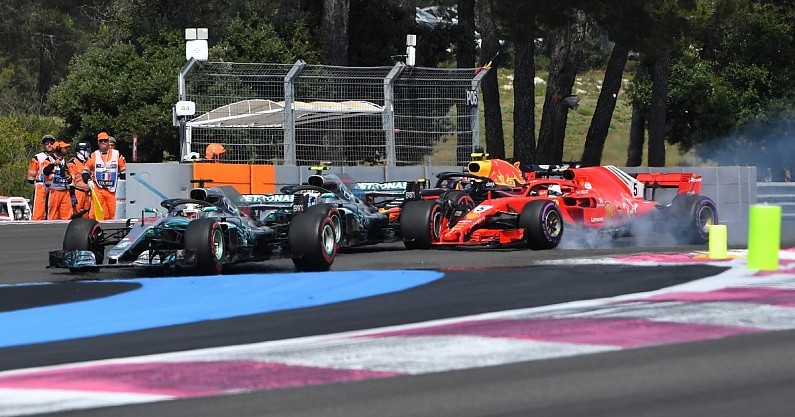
x: 86, y: 177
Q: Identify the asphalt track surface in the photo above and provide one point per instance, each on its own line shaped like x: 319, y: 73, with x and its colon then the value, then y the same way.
x: 734, y: 376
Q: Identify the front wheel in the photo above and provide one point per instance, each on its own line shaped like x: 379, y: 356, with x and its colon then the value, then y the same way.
x: 459, y: 203
x: 206, y: 239
x: 420, y: 223
x: 312, y: 240
x: 84, y: 234
x: 542, y: 224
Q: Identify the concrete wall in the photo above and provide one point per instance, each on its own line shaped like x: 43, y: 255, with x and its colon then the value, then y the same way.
x: 290, y: 175
x: 147, y: 184
x: 732, y: 188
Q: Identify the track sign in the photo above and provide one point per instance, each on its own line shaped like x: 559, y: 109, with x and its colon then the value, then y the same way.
x: 185, y: 108
x: 472, y: 98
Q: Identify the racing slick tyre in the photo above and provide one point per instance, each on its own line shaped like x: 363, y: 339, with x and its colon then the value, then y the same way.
x: 542, y: 224
x: 691, y: 216
x: 205, y: 237
x: 420, y: 223
x: 312, y: 240
x: 83, y: 234
x: 334, y: 214
x: 459, y: 204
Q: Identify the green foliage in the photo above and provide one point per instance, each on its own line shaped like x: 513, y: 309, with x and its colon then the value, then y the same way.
x: 257, y: 40
x: 701, y: 104
x: 37, y: 39
x: 20, y: 139
x: 124, y: 91
x: 738, y: 81
x: 762, y: 35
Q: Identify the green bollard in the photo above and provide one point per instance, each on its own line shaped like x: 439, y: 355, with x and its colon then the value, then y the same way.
x: 764, y: 237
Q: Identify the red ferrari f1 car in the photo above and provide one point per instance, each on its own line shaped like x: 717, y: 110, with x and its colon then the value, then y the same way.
x: 495, y: 203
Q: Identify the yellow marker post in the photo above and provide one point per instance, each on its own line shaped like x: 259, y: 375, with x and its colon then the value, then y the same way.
x: 718, y: 237
x: 764, y: 237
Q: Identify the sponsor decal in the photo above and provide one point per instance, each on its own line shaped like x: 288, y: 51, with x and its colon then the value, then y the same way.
x: 382, y: 186
x: 597, y: 219
x: 269, y: 198
x: 587, y: 185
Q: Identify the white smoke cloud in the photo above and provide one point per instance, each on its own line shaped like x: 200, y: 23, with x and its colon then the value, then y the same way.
x: 768, y: 144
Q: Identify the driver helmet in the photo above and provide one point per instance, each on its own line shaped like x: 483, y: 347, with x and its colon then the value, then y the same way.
x: 191, y: 210
x: 466, y: 183
x: 555, y: 190
x: 83, y: 151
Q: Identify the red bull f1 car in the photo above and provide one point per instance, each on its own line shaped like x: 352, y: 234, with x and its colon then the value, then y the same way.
x: 495, y: 203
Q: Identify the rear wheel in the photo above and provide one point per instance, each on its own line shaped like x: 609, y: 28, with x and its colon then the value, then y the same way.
x: 205, y: 237
x: 83, y: 234
x: 691, y: 216
x: 313, y: 241
x: 542, y: 224
x: 333, y: 214
x: 421, y: 223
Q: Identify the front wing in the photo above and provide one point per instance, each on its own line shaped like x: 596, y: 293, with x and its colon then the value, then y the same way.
x: 83, y: 259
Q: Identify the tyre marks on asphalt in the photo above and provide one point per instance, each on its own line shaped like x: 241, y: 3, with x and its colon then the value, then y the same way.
x: 735, y: 302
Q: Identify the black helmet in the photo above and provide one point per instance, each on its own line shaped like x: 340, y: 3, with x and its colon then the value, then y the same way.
x: 47, y: 138
x: 83, y: 151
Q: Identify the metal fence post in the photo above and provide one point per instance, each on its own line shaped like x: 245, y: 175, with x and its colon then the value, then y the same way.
x: 184, y: 146
x: 389, y: 112
x: 475, y: 115
x: 181, y: 77
x: 289, y: 112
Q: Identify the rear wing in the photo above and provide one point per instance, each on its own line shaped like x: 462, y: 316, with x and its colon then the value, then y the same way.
x: 684, y: 182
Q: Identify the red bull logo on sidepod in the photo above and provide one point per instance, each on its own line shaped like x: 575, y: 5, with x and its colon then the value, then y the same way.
x: 501, y: 172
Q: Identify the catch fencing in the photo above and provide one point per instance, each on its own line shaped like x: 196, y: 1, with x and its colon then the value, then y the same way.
x: 302, y: 114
